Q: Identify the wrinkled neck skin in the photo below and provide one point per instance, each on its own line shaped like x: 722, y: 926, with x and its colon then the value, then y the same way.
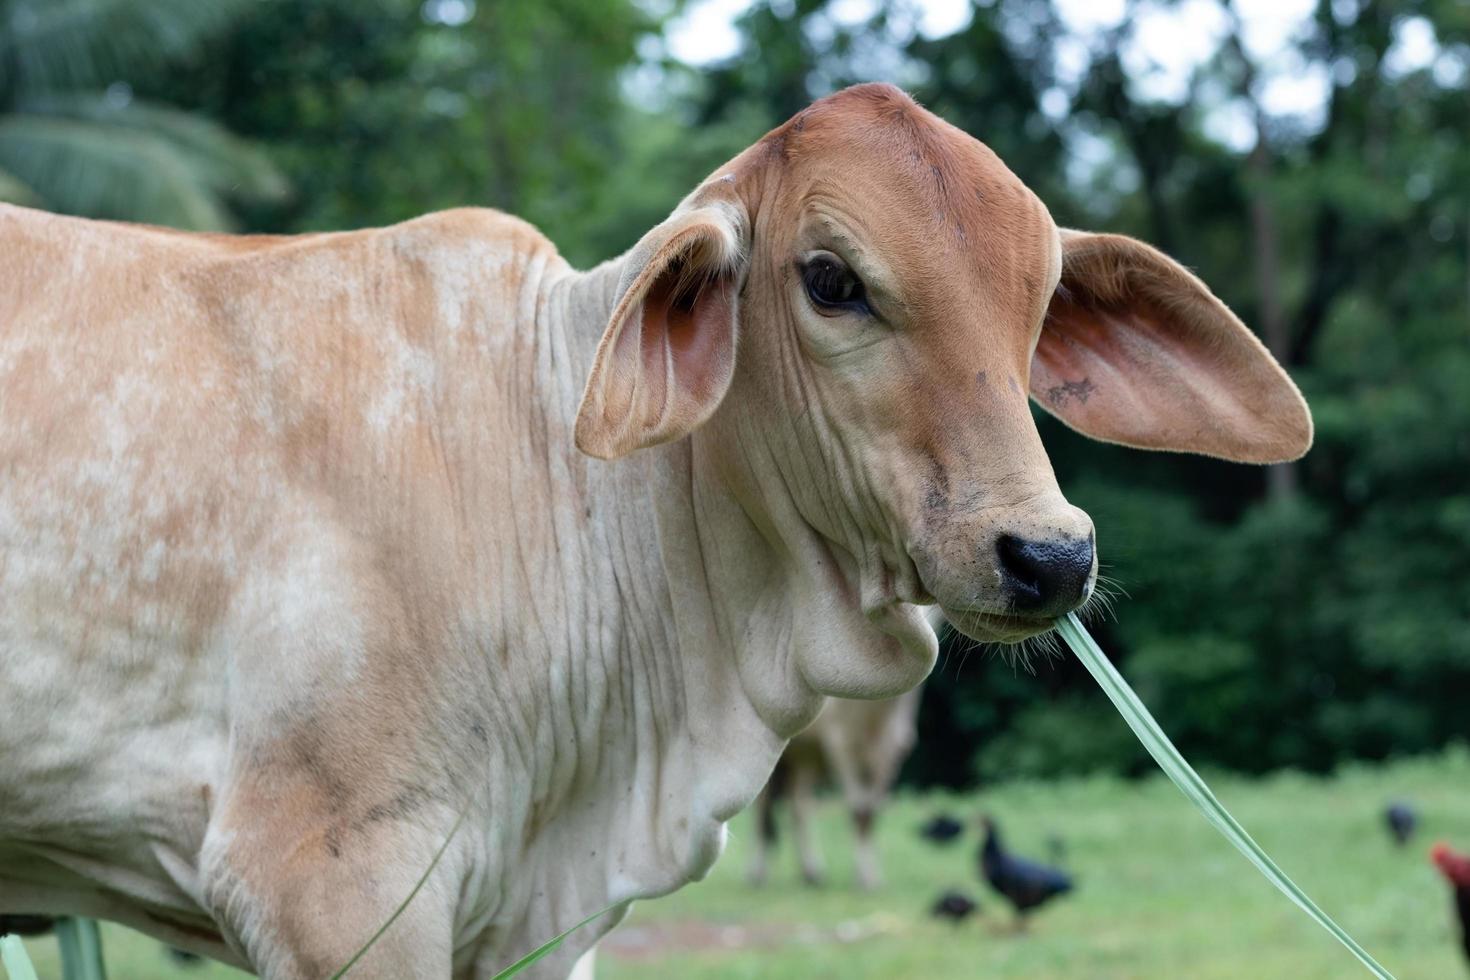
x: 653, y: 630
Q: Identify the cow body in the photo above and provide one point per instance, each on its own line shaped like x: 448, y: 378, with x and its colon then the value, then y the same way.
x: 295, y: 566
x: 325, y: 557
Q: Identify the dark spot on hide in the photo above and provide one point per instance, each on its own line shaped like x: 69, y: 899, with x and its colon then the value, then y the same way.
x: 936, y: 495
x: 306, y: 753
x: 1080, y: 390
x: 404, y: 804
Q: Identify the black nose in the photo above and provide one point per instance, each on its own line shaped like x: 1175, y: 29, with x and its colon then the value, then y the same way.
x: 1045, y: 578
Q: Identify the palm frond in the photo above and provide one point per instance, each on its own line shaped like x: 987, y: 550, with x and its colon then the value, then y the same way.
x: 50, y: 44
x: 99, y: 170
x: 222, y: 161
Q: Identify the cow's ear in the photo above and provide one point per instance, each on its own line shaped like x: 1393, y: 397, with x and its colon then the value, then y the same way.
x: 1136, y: 350
x: 668, y: 354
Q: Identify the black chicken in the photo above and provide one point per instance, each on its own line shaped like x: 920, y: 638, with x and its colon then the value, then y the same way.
x: 955, y: 906
x: 1025, y: 884
x: 941, y: 829
x: 1456, y: 870
x: 1402, y: 820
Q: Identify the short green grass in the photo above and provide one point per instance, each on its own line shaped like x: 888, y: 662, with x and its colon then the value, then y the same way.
x: 1160, y: 893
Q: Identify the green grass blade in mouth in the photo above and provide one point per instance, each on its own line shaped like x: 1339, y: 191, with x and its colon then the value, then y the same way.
x: 13, y: 956
x: 1192, y: 786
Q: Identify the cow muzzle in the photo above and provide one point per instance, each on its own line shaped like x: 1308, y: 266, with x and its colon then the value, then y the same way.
x: 1014, y: 572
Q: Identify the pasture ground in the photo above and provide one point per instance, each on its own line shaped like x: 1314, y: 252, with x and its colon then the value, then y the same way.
x: 1160, y: 894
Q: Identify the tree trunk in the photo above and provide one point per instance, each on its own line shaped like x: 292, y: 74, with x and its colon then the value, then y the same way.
x: 1281, y: 479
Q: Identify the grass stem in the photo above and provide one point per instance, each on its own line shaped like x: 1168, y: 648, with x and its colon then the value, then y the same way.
x: 1192, y: 786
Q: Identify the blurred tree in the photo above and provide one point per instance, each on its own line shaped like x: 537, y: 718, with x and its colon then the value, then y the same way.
x: 380, y: 110
x: 73, y: 137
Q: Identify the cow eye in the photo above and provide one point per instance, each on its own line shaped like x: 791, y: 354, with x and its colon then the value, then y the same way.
x: 832, y: 286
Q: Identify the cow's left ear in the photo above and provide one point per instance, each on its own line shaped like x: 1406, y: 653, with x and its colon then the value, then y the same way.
x: 1136, y: 350
x: 668, y: 354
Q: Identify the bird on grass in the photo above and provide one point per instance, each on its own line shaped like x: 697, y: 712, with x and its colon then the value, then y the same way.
x: 1456, y: 869
x: 1027, y: 885
x: 1402, y: 821
x: 941, y: 829
x: 954, y: 906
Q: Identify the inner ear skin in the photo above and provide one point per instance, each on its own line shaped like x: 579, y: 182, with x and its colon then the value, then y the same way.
x: 1135, y: 350
x: 692, y: 314
x: 668, y: 353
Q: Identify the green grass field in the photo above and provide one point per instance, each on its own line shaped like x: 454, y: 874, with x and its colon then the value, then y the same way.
x: 1160, y: 894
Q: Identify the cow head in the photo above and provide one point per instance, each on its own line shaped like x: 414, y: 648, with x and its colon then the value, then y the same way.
x: 856, y: 309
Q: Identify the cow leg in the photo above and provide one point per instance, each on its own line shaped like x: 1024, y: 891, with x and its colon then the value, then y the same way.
x: 862, y: 804
x: 869, y: 875
x: 882, y: 773
x: 803, y: 815
x: 765, y: 837
x: 303, y: 890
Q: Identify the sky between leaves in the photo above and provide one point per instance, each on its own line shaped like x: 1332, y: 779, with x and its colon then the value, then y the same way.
x: 1164, y: 44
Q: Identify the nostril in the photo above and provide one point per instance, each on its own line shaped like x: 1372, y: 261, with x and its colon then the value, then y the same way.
x: 1018, y: 569
x: 1045, y: 577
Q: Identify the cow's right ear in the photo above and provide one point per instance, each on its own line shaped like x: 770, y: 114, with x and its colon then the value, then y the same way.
x: 668, y: 354
x: 1137, y: 351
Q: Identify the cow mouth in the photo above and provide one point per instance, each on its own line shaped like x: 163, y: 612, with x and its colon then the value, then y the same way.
x: 981, y: 624
x: 995, y: 627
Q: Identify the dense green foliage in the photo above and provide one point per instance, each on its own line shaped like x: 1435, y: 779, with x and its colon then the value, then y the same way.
x: 1287, y: 619
x: 73, y: 136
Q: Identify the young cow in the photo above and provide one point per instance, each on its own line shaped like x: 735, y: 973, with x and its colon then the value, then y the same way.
x: 319, y: 552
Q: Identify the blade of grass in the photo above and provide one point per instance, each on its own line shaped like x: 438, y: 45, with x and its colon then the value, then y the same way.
x: 546, y: 947
x: 1192, y: 786
x: 13, y: 956
x: 81, y: 949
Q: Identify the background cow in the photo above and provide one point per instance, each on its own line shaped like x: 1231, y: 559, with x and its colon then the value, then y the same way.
x: 861, y: 745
